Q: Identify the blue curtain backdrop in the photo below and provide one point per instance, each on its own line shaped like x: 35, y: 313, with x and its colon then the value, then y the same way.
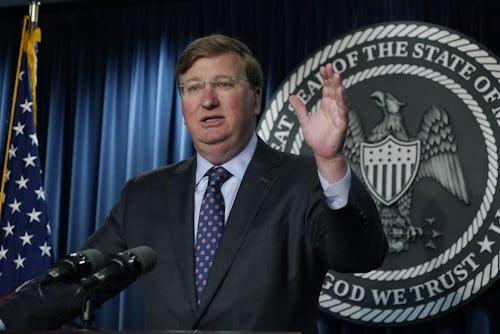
x: 109, y: 109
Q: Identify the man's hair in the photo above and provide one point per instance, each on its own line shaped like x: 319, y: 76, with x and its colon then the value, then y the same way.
x: 215, y: 45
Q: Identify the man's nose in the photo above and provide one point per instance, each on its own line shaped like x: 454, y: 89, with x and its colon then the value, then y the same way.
x: 210, y: 99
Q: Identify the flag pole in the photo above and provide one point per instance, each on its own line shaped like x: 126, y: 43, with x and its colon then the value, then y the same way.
x: 30, y: 48
x: 33, y: 14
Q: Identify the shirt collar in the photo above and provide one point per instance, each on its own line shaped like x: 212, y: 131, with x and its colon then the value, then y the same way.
x: 237, y: 165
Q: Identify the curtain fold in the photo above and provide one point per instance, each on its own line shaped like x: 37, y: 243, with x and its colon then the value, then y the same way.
x: 109, y: 108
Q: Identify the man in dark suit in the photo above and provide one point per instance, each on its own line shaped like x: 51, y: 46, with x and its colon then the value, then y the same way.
x: 285, y: 220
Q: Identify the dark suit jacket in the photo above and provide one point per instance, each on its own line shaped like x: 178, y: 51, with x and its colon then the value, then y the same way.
x: 279, y: 241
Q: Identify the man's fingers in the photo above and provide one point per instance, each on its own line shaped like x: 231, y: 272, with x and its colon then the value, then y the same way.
x: 299, y: 107
x: 342, y: 101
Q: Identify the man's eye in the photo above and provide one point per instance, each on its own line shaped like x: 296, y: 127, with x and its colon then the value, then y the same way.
x: 193, y: 88
x: 224, y: 84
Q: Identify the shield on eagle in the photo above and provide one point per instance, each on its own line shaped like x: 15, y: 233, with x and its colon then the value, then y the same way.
x: 389, y: 167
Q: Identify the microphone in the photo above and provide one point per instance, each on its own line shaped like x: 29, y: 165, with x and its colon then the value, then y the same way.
x: 74, y: 266
x: 124, y: 267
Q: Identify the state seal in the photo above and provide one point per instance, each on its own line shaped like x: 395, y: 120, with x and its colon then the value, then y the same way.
x: 424, y: 116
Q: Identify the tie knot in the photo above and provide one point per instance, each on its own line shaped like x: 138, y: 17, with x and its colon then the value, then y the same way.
x: 217, y: 175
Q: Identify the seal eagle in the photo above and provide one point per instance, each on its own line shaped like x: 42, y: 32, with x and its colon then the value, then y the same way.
x: 431, y: 154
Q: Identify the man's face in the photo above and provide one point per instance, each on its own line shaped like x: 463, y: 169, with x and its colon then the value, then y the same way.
x: 220, y: 119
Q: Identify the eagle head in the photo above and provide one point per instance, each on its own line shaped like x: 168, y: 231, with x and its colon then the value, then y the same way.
x: 387, y: 102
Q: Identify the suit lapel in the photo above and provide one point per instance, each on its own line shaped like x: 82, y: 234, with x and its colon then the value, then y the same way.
x: 181, y: 205
x: 257, y: 181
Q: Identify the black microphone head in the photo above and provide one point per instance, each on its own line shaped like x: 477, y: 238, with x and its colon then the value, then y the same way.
x: 146, y: 258
x: 122, y: 269
x: 96, y: 258
x: 74, y: 266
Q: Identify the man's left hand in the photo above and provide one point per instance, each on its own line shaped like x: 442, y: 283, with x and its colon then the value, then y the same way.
x: 325, y: 130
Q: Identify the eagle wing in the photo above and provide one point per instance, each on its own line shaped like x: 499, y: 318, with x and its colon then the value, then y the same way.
x: 438, y: 156
x: 352, y: 145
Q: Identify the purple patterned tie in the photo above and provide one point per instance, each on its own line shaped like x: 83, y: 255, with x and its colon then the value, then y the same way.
x: 210, y: 226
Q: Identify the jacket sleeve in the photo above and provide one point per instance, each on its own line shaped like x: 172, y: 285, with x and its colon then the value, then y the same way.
x: 352, y: 239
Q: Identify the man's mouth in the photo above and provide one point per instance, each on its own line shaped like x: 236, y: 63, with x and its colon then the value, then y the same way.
x: 212, y: 120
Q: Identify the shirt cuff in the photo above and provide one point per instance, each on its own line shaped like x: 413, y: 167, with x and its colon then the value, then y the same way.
x: 336, y: 193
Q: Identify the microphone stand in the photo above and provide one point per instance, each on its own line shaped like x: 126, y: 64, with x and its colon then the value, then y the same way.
x: 92, y: 302
x: 88, y: 310
x: 88, y: 314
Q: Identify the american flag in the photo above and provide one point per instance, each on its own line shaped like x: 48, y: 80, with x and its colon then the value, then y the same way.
x: 25, y: 241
